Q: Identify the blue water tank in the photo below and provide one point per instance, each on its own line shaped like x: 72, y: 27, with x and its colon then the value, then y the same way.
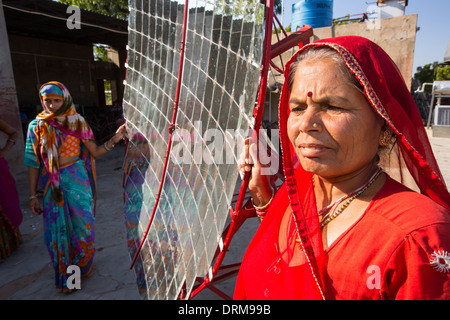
x: 315, y: 13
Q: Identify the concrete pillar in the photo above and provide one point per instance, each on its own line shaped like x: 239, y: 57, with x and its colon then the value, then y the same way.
x: 9, y: 106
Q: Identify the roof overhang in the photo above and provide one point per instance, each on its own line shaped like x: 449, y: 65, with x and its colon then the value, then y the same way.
x: 48, y: 20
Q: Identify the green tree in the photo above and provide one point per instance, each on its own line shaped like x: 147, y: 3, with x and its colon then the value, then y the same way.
x: 433, y: 71
x: 426, y: 73
x: 277, y: 6
x: 100, y: 52
x: 119, y: 8
x: 443, y: 73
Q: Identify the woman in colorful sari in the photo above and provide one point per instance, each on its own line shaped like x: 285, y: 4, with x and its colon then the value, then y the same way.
x: 346, y: 224
x: 60, y: 152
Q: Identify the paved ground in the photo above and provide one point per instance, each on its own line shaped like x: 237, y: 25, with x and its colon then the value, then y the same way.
x: 27, y: 273
x: 441, y: 149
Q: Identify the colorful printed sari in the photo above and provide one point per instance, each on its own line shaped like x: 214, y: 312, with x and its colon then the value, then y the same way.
x: 134, y: 172
x: 69, y: 190
x: 10, y: 212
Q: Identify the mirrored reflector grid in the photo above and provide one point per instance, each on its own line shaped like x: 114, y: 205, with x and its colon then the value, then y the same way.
x: 220, y: 79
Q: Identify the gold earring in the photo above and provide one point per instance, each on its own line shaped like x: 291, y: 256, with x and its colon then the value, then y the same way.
x: 385, y: 138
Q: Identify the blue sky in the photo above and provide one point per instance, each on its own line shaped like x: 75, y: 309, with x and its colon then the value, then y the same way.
x: 433, y: 21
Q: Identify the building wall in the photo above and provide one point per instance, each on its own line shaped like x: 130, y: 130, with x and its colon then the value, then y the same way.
x: 397, y: 36
x: 9, y: 111
x: 36, y: 61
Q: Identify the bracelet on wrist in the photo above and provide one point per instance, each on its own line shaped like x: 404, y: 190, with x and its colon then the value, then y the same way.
x: 261, y: 208
x: 105, y: 145
x: 261, y: 214
x: 34, y: 196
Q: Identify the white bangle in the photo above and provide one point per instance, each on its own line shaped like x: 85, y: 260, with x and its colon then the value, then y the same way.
x: 106, y: 146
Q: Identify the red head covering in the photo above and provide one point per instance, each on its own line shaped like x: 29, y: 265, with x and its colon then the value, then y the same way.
x: 387, y: 93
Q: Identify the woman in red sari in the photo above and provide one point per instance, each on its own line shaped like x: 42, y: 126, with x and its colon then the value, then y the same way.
x: 347, y: 223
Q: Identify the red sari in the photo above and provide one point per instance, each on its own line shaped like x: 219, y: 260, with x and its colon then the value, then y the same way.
x: 399, y: 248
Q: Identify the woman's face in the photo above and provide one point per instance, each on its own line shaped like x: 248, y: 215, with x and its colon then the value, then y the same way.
x: 334, y: 130
x: 52, y: 105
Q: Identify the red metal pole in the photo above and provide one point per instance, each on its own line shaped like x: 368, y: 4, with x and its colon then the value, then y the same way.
x: 258, y: 112
x: 301, y: 35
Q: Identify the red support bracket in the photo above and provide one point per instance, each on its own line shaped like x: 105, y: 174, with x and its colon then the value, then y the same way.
x: 300, y: 36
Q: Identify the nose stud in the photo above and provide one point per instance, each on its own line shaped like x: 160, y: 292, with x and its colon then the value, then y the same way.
x: 314, y: 125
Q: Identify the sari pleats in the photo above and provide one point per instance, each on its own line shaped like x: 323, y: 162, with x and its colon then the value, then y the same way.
x: 69, y: 229
x: 133, y: 197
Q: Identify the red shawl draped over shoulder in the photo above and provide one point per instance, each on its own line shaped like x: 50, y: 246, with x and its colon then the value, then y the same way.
x: 289, y: 264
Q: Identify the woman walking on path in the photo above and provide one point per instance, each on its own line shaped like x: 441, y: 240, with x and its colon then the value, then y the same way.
x: 59, y: 152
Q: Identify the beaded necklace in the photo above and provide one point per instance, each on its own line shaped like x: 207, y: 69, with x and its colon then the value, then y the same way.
x: 350, y: 197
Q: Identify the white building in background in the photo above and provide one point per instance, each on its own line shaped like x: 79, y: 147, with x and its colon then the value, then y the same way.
x: 447, y: 54
x: 387, y: 9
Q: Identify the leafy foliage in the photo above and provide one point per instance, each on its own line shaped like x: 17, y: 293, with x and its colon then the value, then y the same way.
x: 113, y: 8
x: 426, y: 73
x: 100, y: 52
x: 433, y: 71
x: 443, y: 73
